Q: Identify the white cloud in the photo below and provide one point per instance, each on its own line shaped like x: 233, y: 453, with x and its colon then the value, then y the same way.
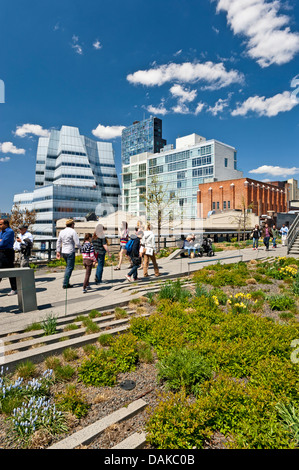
x: 183, y: 94
x: 4, y: 159
x: 199, y: 108
x: 275, y: 170
x: 97, y: 45
x: 76, y: 46
x: 107, y: 132
x: 34, y: 129
x: 8, y: 147
x: 181, y: 108
x: 215, y: 75
x: 157, y: 109
x: 218, y: 107
x: 178, y: 52
x: 269, y: 38
x: 270, y: 107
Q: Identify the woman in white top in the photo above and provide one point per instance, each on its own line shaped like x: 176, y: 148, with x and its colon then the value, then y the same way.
x: 124, y: 237
x: 148, y: 242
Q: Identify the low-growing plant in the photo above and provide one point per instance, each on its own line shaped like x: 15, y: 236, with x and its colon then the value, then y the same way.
x: 98, y: 370
x: 280, y: 302
x: 49, y: 325
x: 94, y: 314
x: 144, y: 352
x: 26, y: 369
x: 74, y: 401
x: 64, y: 373
x: 124, y: 351
x: 105, y: 339
x: 33, y: 327
x: 174, y: 292
x: 90, y: 326
x: 70, y: 354
x: 71, y: 327
x: 120, y: 313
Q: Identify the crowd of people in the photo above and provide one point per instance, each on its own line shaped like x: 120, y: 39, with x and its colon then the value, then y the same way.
x: 139, y: 247
x: 266, y: 233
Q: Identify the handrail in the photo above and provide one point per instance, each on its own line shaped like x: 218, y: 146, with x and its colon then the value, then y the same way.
x: 292, y: 234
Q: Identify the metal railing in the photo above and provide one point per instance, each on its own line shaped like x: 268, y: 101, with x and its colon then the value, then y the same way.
x: 292, y: 234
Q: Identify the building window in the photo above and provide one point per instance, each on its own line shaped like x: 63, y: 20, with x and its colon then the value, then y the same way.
x: 228, y: 204
x: 218, y: 205
x: 225, y: 162
x: 224, y: 205
x: 214, y: 206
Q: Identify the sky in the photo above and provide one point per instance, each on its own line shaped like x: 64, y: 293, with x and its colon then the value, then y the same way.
x: 224, y: 69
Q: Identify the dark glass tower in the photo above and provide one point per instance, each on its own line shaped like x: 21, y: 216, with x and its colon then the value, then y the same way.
x: 142, y: 136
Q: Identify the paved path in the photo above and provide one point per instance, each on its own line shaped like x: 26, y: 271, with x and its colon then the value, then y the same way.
x: 52, y: 299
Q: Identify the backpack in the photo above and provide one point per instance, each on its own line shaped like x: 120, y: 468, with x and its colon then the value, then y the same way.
x: 129, y: 245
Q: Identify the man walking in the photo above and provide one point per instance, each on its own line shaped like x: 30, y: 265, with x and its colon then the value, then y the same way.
x: 67, y: 243
x: 284, y: 234
x: 24, y: 244
x: 7, y: 253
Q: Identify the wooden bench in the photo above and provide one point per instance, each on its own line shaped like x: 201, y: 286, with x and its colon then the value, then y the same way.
x: 25, y: 286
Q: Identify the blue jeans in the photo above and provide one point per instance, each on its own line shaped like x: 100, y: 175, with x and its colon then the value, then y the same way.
x: 100, y: 268
x: 189, y: 251
x: 266, y: 242
x: 70, y: 264
x: 255, y: 242
x: 134, y: 271
x: 274, y: 242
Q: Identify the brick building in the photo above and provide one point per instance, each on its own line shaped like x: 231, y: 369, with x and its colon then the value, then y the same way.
x: 232, y: 194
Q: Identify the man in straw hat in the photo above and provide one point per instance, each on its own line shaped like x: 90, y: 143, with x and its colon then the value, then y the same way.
x: 67, y: 243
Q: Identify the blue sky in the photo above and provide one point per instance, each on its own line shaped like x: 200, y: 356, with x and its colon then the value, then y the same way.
x: 225, y: 69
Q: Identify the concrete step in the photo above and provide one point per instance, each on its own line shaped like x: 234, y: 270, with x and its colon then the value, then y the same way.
x: 89, y: 433
x: 135, y: 441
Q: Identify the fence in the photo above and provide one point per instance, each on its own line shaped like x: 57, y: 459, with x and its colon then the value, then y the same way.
x: 44, y: 250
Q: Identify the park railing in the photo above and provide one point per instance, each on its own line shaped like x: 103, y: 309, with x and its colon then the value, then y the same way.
x: 44, y: 250
x: 293, y: 232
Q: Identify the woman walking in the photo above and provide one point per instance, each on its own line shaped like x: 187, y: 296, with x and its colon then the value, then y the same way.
x: 124, y: 238
x: 256, y: 234
x: 89, y: 259
x: 148, y: 241
x: 100, y: 244
x: 267, y: 233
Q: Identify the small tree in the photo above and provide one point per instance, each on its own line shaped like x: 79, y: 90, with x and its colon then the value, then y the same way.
x: 159, y: 203
x: 19, y: 218
x: 243, y: 219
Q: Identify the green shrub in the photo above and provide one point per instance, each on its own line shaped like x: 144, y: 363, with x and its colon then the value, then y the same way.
x: 144, y: 352
x: 173, y: 291
x: 105, y: 339
x: 73, y: 400
x: 280, y: 302
x: 49, y: 325
x: 94, y: 314
x: 63, y: 373
x: 90, y: 326
x: 124, y: 351
x: 98, y: 370
x: 26, y: 369
x: 70, y: 354
x: 184, y: 368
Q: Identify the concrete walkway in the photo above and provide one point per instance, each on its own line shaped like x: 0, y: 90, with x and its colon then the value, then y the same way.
x: 53, y: 299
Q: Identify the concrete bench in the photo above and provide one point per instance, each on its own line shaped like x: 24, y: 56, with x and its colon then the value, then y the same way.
x: 25, y: 286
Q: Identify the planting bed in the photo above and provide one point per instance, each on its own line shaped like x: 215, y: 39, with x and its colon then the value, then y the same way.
x: 209, y: 359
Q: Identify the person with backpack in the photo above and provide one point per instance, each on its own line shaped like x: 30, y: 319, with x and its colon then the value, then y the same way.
x: 255, y: 235
x: 100, y: 244
x: 275, y: 234
x: 124, y: 238
x: 133, y: 250
x: 89, y: 259
x: 23, y: 245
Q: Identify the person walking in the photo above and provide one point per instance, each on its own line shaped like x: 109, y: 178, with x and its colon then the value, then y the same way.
x: 135, y: 256
x: 256, y: 235
x: 67, y: 243
x: 23, y: 245
x: 284, y: 234
x: 267, y: 233
x: 100, y: 244
x: 148, y: 241
x: 89, y: 259
x: 7, y: 253
x: 275, y: 234
x: 124, y: 238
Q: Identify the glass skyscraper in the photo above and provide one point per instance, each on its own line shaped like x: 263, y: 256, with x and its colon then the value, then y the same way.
x: 74, y: 176
x: 142, y: 136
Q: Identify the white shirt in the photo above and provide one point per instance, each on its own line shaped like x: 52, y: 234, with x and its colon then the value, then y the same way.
x: 26, y: 235
x: 148, y: 239
x: 68, y: 241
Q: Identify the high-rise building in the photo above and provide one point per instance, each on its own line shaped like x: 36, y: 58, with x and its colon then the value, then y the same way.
x: 180, y: 171
x: 142, y: 136
x: 74, y: 176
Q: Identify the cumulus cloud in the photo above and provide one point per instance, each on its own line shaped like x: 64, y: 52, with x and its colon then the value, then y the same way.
x: 275, y: 170
x: 8, y: 147
x: 181, y: 108
x: 269, y: 39
x: 97, y: 45
x: 157, y: 109
x: 214, y: 75
x: 270, y: 107
x: 33, y: 129
x: 76, y: 46
x: 218, y: 107
x: 199, y: 108
x: 107, y: 132
x: 183, y: 94
x: 4, y: 159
